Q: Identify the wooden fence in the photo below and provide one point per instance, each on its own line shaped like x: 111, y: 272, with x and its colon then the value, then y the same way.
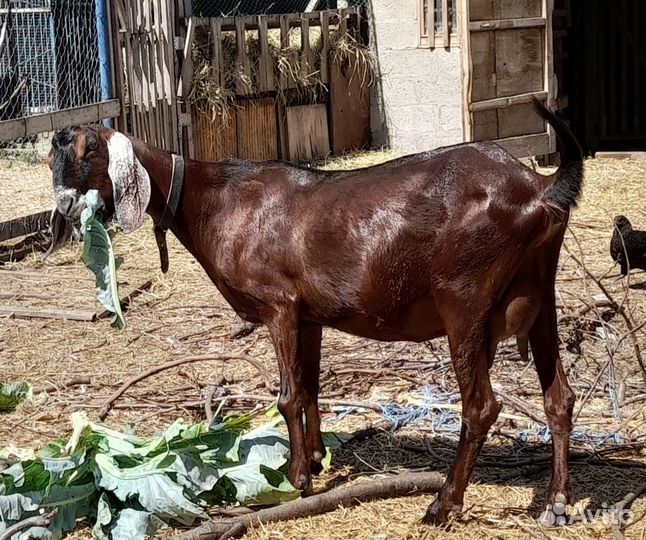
x: 287, y: 97
x: 145, y: 69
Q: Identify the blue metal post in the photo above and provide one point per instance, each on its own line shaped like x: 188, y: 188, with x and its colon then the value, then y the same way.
x: 103, y: 36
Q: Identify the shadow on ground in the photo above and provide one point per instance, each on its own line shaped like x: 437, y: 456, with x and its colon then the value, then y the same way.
x: 600, y: 480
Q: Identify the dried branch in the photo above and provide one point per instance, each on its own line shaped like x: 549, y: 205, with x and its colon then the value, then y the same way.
x: 174, y: 363
x: 34, y: 521
x: 394, y: 486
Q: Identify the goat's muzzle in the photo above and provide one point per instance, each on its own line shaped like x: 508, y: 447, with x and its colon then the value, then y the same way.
x: 69, y: 203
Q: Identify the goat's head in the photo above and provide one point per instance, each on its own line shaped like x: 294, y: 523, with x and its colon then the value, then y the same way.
x: 622, y: 223
x: 95, y: 157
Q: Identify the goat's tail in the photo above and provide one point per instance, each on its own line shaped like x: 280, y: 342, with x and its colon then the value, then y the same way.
x: 565, y: 190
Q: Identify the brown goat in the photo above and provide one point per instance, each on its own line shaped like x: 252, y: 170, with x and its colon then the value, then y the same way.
x: 461, y: 241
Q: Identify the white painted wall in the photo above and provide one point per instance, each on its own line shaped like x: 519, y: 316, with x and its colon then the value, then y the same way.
x: 417, y: 101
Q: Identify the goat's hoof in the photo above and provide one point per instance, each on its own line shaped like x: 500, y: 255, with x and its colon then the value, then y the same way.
x: 438, y: 514
x: 316, y: 467
x: 555, y: 515
x: 303, y: 483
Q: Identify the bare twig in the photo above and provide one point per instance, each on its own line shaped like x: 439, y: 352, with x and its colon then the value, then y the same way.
x: 393, y: 486
x: 49, y: 387
x: 174, y: 363
x: 624, y: 504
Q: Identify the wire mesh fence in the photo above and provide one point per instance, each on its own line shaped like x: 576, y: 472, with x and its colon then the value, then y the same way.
x: 49, y: 61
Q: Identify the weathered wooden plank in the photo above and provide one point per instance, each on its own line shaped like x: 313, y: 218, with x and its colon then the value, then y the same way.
x: 283, y: 142
x: 273, y: 21
x: 163, y: 86
x: 186, y: 77
x: 286, y: 81
x: 31, y: 125
x: 498, y: 103
x: 23, y: 226
x: 479, y: 10
x: 168, y: 26
x: 118, y: 67
x: 306, y: 55
x: 519, y: 61
x: 343, y: 21
x: 528, y: 145
x: 519, y: 119
x: 516, y: 9
x: 465, y: 67
x: 483, y: 66
x: 325, y: 46
x: 266, y: 65
x: 503, y: 24
x: 256, y: 126
x: 548, y: 63
x: 216, y: 54
x: 307, y: 132
x: 214, y: 138
x: 242, y: 59
x: 349, y: 109
x: 485, y: 125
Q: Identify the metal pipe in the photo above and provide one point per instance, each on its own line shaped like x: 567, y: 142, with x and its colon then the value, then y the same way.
x: 103, y: 38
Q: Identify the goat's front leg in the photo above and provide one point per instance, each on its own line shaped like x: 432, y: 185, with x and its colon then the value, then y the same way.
x: 310, y: 354
x: 479, y: 412
x: 284, y: 332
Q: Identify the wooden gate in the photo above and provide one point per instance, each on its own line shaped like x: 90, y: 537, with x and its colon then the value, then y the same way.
x: 145, y: 69
x: 507, y: 59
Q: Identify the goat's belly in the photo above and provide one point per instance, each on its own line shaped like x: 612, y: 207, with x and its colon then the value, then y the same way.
x: 418, y: 322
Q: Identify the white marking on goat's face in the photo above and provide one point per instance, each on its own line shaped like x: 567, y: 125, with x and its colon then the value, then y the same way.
x: 130, y: 183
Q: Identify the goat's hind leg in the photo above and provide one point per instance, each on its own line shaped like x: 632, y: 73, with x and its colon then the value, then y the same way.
x: 558, y: 400
x: 469, y: 353
x: 284, y: 331
x: 310, y: 353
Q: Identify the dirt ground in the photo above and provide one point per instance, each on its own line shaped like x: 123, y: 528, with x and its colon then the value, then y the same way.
x: 182, y: 314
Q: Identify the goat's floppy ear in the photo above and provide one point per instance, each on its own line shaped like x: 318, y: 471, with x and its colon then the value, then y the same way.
x: 80, y: 144
x: 130, y: 183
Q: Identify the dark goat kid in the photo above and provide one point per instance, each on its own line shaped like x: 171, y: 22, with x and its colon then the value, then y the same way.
x: 461, y: 241
x: 628, y: 246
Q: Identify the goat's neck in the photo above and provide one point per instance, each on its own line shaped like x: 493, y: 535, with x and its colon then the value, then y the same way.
x: 159, y: 165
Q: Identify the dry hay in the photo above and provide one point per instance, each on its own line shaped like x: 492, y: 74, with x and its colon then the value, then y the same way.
x: 302, y: 81
x: 183, y: 314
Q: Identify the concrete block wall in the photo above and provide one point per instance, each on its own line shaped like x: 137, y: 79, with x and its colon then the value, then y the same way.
x: 417, y: 101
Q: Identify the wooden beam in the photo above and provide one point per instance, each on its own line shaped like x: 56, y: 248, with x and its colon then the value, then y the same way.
x: 273, y: 21
x: 465, y: 67
x: 503, y: 102
x: 44, y: 123
x: 548, y: 64
x: 24, y: 225
x: 186, y: 77
x: 503, y: 24
x: 526, y: 145
x: 242, y: 59
x: 430, y: 21
x: 445, y: 23
x: 325, y: 46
